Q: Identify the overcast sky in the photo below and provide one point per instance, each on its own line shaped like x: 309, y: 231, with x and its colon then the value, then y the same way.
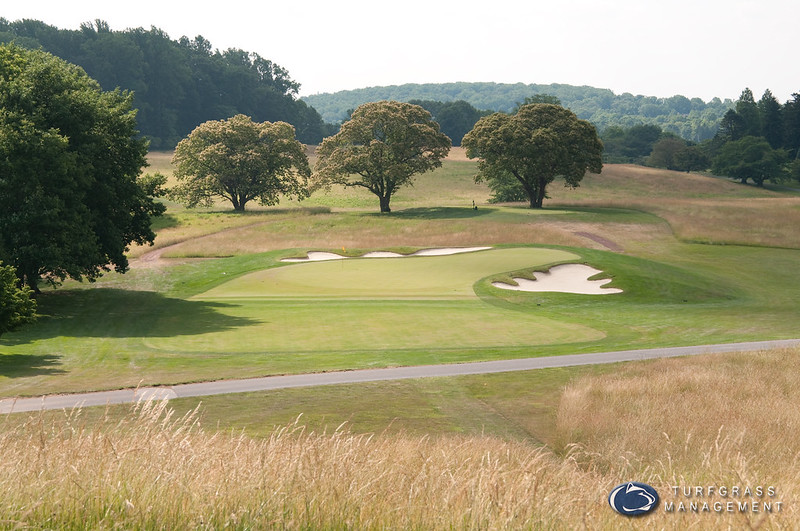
x: 697, y: 48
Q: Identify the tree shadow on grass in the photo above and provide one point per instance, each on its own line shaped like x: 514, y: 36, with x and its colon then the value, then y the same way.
x: 117, y: 313
x: 439, y: 213
x: 22, y: 365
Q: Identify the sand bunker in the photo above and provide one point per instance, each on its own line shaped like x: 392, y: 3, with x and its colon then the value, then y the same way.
x: 319, y: 256
x: 567, y: 278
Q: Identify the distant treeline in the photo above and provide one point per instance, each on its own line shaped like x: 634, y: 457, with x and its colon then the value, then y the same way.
x: 691, y: 119
x: 179, y: 84
x: 756, y: 140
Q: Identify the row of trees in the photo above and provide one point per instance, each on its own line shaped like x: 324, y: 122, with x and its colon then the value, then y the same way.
x: 756, y: 141
x: 692, y: 119
x: 381, y: 148
x: 759, y: 141
x: 177, y: 85
x: 649, y: 145
x: 766, y: 118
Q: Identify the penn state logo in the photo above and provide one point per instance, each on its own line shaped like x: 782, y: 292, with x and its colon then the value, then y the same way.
x: 633, y: 498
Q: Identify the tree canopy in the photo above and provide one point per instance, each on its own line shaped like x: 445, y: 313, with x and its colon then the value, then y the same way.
x: 455, y: 118
x: 381, y: 148
x: 240, y: 160
x: 534, y: 146
x: 756, y: 140
x: 750, y: 158
x: 70, y: 156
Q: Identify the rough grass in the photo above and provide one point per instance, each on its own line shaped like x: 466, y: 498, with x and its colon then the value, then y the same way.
x: 421, y: 228
x: 150, y: 470
x: 714, y: 420
x: 670, y: 423
x: 437, y: 211
x: 698, y: 208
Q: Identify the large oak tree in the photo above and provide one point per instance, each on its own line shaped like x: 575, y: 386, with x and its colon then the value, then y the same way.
x: 71, y: 201
x: 381, y: 148
x: 240, y: 160
x: 534, y: 146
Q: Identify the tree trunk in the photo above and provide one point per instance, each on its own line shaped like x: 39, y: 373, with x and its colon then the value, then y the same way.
x: 238, y: 204
x: 385, y: 203
x: 540, y: 195
x: 537, y: 195
x: 28, y: 277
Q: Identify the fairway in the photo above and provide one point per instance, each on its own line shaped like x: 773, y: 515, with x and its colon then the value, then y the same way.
x: 383, y: 304
x: 328, y: 326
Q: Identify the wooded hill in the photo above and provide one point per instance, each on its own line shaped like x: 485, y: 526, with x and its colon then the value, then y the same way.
x: 177, y: 85
x: 691, y: 119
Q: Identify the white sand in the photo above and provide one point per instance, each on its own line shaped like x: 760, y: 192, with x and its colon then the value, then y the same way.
x: 566, y: 278
x: 318, y: 256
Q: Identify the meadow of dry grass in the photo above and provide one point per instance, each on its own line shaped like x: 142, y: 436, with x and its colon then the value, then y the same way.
x: 151, y: 471
x: 670, y: 423
x: 720, y: 420
x: 689, y: 207
x: 698, y: 208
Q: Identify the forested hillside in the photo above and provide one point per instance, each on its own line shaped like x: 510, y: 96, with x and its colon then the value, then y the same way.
x: 692, y: 119
x: 179, y: 84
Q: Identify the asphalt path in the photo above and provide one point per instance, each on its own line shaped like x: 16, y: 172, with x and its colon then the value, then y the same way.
x: 268, y: 383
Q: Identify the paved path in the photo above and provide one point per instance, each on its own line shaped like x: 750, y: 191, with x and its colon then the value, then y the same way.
x: 267, y: 383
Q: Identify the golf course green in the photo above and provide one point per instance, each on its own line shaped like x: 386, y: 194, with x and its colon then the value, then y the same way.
x: 397, y: 303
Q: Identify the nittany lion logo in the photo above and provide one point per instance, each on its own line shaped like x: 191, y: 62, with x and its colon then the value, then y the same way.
x: 633, y: 499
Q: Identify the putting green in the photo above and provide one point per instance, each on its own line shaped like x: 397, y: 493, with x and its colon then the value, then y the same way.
x: 418, y: 277
x: 377, y: 304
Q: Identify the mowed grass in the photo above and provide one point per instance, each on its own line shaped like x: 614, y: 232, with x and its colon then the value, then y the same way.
x: 413, y: 304
x: 112, y: 338
x: 418, y: 277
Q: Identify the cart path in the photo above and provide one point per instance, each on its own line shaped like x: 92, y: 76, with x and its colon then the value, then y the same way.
x: 267, y: 383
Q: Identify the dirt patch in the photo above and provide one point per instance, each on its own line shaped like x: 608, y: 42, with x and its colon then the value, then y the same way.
x: 605, y: 242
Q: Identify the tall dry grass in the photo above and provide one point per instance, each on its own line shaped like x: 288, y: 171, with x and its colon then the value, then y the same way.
x: 326, y: 231
x: 150, y: 470
x: 698, y: 208
x: 722, y: 420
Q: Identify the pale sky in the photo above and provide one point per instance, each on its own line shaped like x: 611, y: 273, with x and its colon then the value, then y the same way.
x: 697, y: 48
